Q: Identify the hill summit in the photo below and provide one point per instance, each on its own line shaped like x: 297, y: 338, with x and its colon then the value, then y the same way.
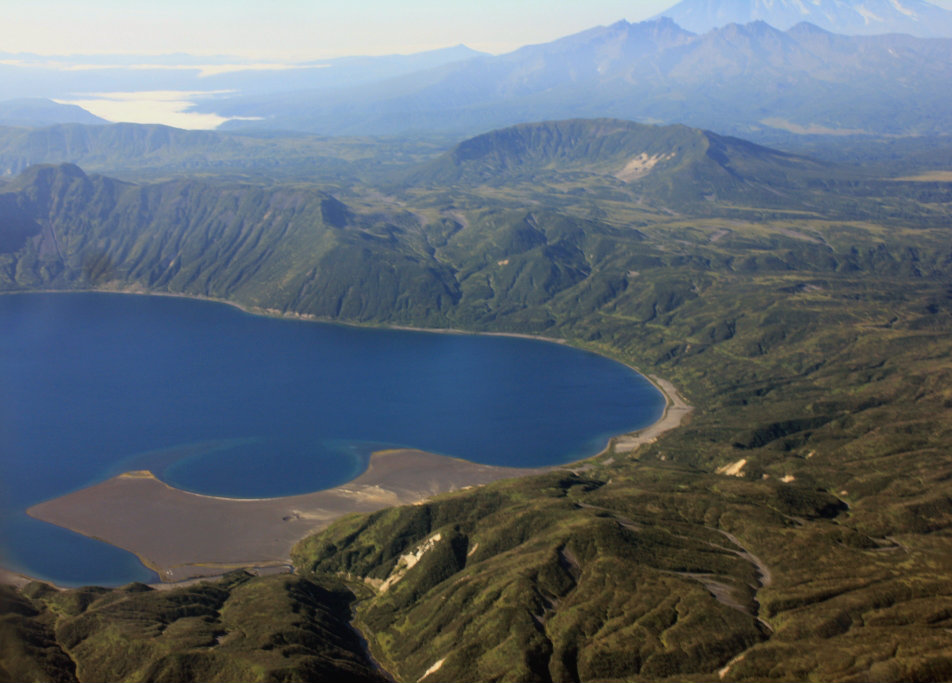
x: 667, y: 162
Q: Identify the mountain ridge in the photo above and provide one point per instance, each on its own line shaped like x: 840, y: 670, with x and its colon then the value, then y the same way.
x: 42, y: 76
x: 730, y: 79
x: 33, y: 112
x: 852, y: 17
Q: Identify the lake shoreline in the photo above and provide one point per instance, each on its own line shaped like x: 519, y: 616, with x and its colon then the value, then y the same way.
x: 387, y: 482
x: 283, y: 315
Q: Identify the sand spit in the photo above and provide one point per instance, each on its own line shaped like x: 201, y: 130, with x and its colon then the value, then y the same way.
x: 184, y: 535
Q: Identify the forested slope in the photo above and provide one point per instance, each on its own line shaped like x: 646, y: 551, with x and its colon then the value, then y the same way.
x: 797, y: 528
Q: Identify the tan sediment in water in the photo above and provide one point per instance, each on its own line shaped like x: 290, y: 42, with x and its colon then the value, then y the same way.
x: 182, y: 535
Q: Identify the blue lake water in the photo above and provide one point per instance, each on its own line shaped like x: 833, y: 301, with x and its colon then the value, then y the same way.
x: 218, y: 401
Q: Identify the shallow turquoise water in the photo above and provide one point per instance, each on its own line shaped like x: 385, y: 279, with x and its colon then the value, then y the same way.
x: 218, y: 401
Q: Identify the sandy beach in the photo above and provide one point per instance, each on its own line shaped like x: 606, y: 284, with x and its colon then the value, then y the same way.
x: 675, y: 411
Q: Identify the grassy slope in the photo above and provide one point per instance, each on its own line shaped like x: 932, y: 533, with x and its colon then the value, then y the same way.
x: 831, y: 375
x: 815, y: 348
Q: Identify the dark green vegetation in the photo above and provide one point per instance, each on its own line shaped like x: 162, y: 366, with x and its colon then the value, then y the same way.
x: 275, y: 628
x: 805, y: 311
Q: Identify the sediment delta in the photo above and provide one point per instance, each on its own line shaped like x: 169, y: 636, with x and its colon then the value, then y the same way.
x: 183, y: 535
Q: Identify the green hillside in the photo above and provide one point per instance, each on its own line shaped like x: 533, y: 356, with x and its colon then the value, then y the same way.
x: 661, y: 160
x: 147, y: 151
x: 692, y: 171
x: 796, y: 528
x: 209, y: 632
x: 603, y: 146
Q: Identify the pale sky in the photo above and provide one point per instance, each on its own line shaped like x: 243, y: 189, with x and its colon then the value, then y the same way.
x: 299, y: 29
x: 302, y: 29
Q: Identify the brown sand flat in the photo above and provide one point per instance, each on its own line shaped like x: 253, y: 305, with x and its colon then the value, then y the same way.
x: 182, y: 535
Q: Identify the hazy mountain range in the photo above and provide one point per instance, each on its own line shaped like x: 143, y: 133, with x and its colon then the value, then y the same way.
x: 738, y: 79
x: 30, y: 112
x: 70, y: 76
x: 748, y: 78
x: 851, y: 17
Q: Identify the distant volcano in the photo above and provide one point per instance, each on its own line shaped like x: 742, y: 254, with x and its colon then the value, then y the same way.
x: 850, y: 17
